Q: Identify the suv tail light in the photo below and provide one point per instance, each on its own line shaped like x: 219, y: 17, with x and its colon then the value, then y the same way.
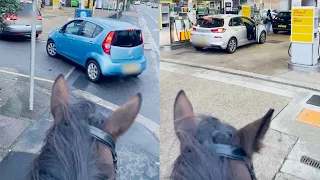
x: 194, y: 28
x: 39, y: 18
x: 106, y: 45
x: 218, y: 30
x: 11, y: 17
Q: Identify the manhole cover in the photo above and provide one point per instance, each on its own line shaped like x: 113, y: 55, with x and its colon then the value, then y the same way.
x: 311, y: 162
x: 274, y: 41
x: 314, y: 100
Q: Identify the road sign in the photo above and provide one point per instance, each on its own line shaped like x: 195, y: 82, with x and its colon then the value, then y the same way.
x: 246, y: 11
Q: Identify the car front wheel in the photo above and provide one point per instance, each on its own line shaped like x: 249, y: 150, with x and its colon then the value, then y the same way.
x: 232, y: 45
x: 93, y: 71
x: 262, y: 38
x: 51, y: 49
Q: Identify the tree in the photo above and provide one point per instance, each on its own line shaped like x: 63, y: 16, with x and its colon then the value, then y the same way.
x: 8, y: 7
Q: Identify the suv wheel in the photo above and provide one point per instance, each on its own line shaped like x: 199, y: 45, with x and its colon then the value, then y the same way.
x: 51, y: 49
x: 93, y: 71
x: 275, y: 31
x: 232, y: 45
x: 198, y: 48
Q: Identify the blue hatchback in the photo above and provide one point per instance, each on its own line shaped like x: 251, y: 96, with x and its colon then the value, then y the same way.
x: 103, y: 46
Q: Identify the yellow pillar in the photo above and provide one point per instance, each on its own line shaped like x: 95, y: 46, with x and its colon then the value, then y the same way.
x: 160, y: 18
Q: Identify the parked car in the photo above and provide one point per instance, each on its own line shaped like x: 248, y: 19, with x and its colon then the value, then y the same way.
x: 148, y: 4
x: 136, y: 2
x: 282, y: 22
x: 154, y: 5
x: 102, y: 46
x: 225, y: 31
x: 20, y: 24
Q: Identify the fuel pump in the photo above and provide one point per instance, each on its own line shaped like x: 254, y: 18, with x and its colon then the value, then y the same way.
x: 305, y: 39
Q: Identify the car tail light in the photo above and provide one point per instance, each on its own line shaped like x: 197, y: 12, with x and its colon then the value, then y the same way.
x: 39, y: 18
x: 218, y: 30
x: 194, y: 28
x: 142, y: 41
x: 11, y: 17
x: 106, y: 45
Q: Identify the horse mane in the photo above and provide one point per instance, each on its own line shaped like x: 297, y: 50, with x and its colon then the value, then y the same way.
x: 69, y: 152
x: 198, y: 161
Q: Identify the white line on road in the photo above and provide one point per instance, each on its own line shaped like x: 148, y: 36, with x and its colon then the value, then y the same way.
x: 150, y: 16
x: 148, y: 31
x: 27, y: 76
x: 149, y: 124
x: 69, y: 72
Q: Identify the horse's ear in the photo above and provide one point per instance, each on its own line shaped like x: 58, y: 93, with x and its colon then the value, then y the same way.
x: 121, y: 119
x: 252, y: 134
x: 184, y: 121
x: 59, y: 96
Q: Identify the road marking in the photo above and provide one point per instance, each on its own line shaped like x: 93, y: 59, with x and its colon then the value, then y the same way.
x: 149, y: 124
x: 148, y: 31
x: 69, y: 72
x: 150, y: 16
x: 27, y: 76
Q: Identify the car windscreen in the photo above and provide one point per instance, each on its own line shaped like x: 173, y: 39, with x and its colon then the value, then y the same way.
x: 126, y: 38
x: 211, y: 23
x: 284, y: 15
x: 26, y: 10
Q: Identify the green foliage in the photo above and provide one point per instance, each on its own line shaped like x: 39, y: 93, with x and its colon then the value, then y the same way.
x: 8, y: 7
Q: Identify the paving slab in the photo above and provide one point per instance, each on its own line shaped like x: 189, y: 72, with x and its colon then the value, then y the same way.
x: 226, y: 102
x: 10, y: 129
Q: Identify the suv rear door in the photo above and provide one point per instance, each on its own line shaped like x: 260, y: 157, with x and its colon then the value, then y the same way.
x: 127, y: 46
x: 25, y: 15
x: 283, y: 20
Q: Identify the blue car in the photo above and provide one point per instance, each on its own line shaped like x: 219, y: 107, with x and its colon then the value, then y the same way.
x: 105, y: 47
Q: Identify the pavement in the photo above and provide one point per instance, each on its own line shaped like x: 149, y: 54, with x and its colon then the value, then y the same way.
x: 239, y: 99
x: 22, y: 131
x: 267, y: 61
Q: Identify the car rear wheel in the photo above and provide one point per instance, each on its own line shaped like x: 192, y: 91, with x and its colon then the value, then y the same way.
x: 51, y: 49
x: 93, y: 71
x: 275, y: 31
x: 232, y: 45
x: 262, y: 38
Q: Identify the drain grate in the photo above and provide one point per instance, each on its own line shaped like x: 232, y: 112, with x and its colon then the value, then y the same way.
x: 314, y: 100
x: 311, y: 162
x: 274, y: 41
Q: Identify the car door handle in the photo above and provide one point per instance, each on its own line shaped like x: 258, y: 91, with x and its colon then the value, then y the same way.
x: 71, y: 38
x: 90, y: 42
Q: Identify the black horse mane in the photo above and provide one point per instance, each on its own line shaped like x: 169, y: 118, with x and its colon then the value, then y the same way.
x: 198, y: 161
x: 69, y: 151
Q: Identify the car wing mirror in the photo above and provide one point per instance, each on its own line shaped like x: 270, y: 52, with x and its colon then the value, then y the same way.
x: 61, y: 30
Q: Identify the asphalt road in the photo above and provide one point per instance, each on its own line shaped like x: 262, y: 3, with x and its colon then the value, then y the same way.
x: 151, y: 16
x: 15, y: 57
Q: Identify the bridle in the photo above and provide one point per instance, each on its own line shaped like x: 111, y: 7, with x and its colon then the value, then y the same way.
x: 107, y: 140
x: 235, y: 153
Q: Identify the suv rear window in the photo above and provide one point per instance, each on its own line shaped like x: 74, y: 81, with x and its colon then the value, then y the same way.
x: 211, y: 23
x: 127, y: 38
x: 284, y: 15
x: 26, y: 10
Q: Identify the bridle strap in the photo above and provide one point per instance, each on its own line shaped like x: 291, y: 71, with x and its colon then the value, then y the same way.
x: 235, y: 153
x: 106, y: 139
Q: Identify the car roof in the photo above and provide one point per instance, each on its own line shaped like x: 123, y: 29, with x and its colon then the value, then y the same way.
x: 116, y: 24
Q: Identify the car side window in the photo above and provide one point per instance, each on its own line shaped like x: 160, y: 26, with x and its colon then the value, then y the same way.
x: 236, y: 22
x: 88, y: 29
x: 248, y: 21
x: 97, y: 31
x: 73, y: 27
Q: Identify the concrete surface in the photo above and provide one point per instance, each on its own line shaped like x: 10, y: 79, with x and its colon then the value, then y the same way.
x: 239, y: 100
x: 269, y: 59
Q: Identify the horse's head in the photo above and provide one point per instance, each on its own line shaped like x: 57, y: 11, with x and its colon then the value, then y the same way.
x: 80, y: 144
x: 211, y: 149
